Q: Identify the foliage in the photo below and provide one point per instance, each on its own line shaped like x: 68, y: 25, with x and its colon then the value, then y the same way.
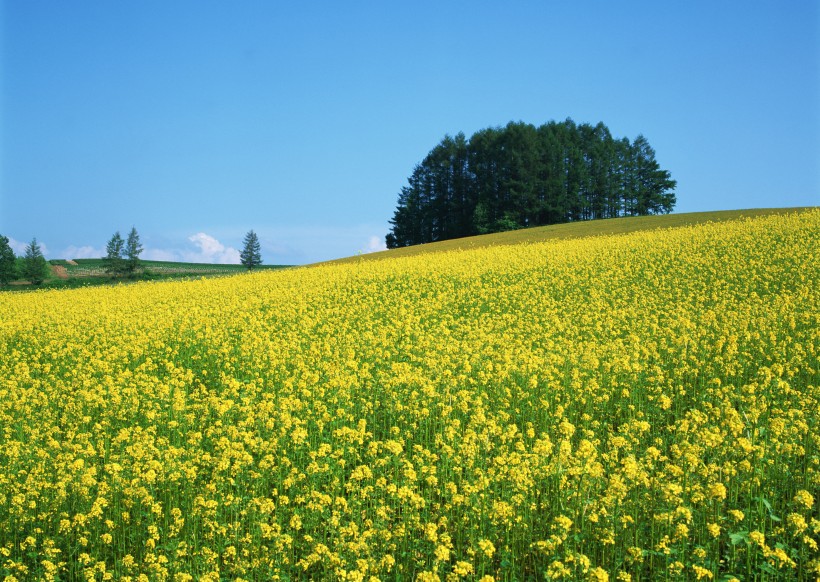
x: 642, y: 406
x: 35, y: 268
x: 176, y: 268
x: 133, y: 250
x: 522, y: 176
x: 8, y: 262
x: 251, y: 255
x: 113, y: 262
x: 91, y: 272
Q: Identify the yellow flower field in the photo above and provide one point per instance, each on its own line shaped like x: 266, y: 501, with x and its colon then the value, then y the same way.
x: 634, y: 407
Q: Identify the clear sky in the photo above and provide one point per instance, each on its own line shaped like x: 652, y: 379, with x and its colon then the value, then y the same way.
x: 196, y: 121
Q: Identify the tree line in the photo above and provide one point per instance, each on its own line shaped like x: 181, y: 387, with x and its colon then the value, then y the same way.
x: 122, y: 258
x: 521, y: 176
x: 34, y: 267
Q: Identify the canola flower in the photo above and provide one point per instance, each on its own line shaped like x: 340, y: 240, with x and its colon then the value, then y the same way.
x: 634, y: 407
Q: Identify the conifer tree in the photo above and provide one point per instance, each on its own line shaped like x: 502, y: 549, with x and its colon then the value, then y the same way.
x: 133, y: 249
x: 251, y: 255
x: 35, y: 268
x: 520, y: 175
x: 8, y: 262
x: 113, y: 261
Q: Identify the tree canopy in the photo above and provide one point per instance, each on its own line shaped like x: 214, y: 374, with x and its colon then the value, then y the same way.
x: 132, y: 251
x: 8, y: 262
x: 521, y: 176
x: 251, y: 255
x: 113, y: 261
x: 35, y: 268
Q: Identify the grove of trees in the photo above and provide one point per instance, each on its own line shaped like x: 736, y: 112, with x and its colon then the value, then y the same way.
x: 521, y: 176
x: 123, y: 257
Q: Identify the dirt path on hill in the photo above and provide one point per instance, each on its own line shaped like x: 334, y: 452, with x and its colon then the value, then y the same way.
x: 59, y: 271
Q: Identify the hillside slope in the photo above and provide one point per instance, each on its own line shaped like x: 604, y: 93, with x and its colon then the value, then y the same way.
x: 574, y: 230
x: 635, y: 407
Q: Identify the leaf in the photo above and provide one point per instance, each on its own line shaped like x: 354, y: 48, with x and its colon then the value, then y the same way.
x: 738, y: 537
x: 768, y: 568
x: 767, y: 504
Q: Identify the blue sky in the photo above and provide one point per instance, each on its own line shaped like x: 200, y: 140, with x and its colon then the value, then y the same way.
x: 197, y: 121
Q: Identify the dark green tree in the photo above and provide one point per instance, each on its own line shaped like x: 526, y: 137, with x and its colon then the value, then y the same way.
x: 113, y: 261
x: 133, y: 249
x: 35, y: 268
x: 484, y: 163
x: 654, y: 187
x: 251, y: 255
x: 8, y: 262
x: 518, y: 158
x: 520, y: 176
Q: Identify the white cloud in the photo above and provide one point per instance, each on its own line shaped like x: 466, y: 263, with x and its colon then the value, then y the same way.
x: 210, y: 251
x: 19, y: 248
x: 84, y: 252
x: 206, y: 249
x: 375, y: 244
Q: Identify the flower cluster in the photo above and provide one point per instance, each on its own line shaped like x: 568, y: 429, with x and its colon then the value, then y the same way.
x: 621, y: 407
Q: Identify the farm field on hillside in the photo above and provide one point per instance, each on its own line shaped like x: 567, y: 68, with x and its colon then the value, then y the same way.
x: 95, y: 268
x: 575, y: 229
x: 634, y: 407
x: 82, y: 267
x: 71, y: 274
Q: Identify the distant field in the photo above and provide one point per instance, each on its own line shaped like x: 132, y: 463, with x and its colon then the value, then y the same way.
x: 573, y: 230
x: 94, y: 267
x: 68, y: 273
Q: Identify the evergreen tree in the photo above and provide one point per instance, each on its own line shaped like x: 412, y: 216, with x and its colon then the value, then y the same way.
x: 113, y: 261
x: 251, y: 255
x: 626, y: 177
x: 484, y: 162
x: 133, y: 249
x: 653, y: 186
x: 8, y: 262
x: 519, y: 176
x: 552, y: 201
x: 35, y: 268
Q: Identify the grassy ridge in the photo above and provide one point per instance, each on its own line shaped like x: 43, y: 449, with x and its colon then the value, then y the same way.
x: 573, y: 230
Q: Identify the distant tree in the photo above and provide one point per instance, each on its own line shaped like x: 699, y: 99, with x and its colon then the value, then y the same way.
x: 35, y: 267
x: 113, y: 261
x: 133, y: 249
x: 251, y: 255
x: 516, y: 176
x: 8, y: 262
x: 654, y: 189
